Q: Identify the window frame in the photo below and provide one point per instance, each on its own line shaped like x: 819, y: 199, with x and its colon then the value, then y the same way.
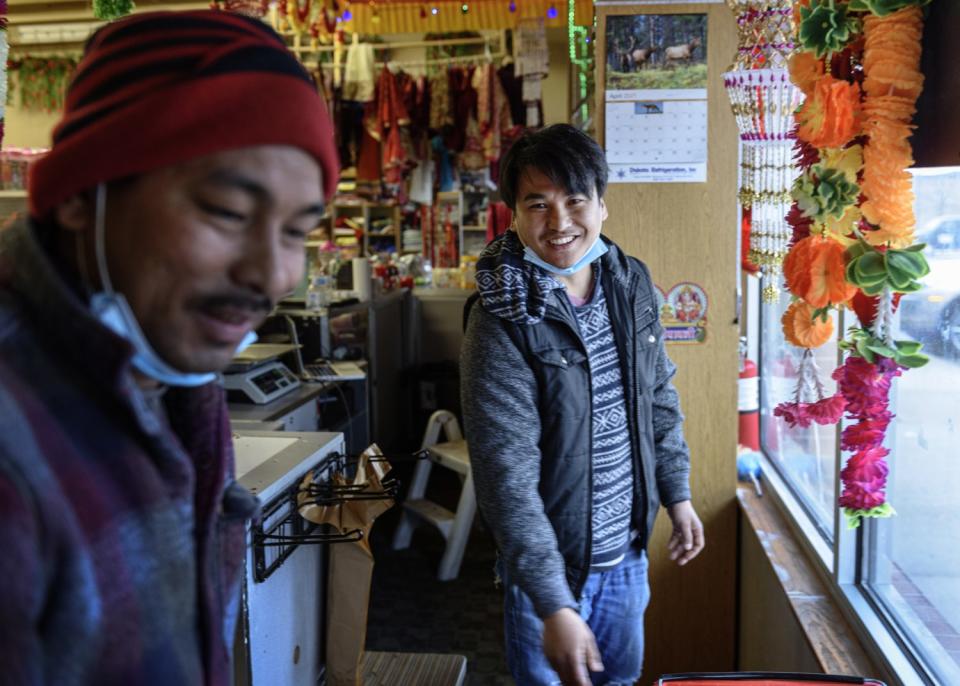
x: 841, y: 562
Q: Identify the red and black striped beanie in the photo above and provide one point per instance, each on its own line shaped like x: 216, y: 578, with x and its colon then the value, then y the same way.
x: 160, y: 88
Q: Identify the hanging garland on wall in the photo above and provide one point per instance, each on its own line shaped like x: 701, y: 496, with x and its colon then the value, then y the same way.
x: 853, y: 224
x: 42, y: 81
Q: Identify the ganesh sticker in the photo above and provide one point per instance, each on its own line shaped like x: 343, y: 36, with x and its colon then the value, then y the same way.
x: 683, y: 314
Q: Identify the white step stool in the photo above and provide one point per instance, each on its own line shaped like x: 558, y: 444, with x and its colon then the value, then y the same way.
x: 455, y: 527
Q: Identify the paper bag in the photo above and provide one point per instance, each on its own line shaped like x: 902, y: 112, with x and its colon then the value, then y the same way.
x: 350, y: 569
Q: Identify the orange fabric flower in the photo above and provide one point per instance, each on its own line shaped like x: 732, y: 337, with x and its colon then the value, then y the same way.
x: 805, y: 70
x: 803, y: 330
x: 815, y: 272
x: 830, y: 117
x: 892, y: 83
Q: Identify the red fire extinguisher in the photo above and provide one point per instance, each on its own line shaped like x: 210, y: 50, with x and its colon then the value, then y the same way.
x: 748, y: 401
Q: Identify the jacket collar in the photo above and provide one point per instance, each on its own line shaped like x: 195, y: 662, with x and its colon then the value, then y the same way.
x: 521, y: 292
x: 58, y: 311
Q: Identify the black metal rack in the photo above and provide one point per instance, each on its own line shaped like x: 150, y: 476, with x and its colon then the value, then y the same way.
x: 281, y: 529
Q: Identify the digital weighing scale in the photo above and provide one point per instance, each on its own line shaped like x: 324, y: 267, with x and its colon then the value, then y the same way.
x: 256, y: 373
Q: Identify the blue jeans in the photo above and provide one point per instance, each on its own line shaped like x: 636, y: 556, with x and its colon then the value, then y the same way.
x: 612, y: 605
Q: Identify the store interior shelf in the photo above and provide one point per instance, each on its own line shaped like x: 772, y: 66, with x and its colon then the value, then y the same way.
x: 13, y: 193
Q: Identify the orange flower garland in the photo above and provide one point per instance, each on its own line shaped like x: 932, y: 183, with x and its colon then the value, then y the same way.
x: 814, y: 269
x: 830, y: 117
x: 802, y: 329
x: 805, y: 70
x: 891, y: 62
x: 875, y: 223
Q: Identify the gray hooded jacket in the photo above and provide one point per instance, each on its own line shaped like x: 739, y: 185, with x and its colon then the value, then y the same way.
x: 525, y: 385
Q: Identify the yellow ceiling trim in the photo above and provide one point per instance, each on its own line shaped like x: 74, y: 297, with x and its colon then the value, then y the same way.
x: 482, y: 14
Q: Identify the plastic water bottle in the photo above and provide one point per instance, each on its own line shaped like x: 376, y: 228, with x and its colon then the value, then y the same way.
x: 317, y: 293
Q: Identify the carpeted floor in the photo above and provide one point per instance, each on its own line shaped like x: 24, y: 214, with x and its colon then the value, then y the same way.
x: 410, y: 611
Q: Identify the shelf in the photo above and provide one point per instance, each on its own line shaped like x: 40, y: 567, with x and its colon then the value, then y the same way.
x: 13, y: 193
x: 475, y: 228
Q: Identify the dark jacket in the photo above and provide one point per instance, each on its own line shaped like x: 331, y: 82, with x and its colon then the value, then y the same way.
x: 122, y: 528
x: 526, y: 397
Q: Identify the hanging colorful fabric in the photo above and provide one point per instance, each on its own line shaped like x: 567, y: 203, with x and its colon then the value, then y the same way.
x: 42, y: 81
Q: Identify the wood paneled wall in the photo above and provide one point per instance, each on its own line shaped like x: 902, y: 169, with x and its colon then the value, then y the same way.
x: 688, y: 232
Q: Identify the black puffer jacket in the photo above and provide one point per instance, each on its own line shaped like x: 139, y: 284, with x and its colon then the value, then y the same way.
x: 527, y: 409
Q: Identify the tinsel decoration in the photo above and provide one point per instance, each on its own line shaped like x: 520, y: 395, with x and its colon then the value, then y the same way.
x: 108, y: 10
x: 763, y: 100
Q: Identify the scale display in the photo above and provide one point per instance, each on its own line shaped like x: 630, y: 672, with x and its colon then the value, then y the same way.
x: 263, y: 384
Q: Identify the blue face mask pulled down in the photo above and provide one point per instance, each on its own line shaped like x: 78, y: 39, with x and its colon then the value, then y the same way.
x: 113, y: 311
x: 598, y: 249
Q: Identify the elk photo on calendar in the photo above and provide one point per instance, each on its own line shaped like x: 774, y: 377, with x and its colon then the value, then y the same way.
x: 656, y: 51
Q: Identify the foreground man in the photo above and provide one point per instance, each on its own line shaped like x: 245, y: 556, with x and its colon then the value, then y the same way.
x: 192, y: 160
x: 573, y: 423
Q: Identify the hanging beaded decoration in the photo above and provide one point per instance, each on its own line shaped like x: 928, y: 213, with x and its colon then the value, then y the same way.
x: 763, y: 101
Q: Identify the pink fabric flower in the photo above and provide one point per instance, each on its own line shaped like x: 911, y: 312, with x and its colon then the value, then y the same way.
x: 855, y: 498
x: 865, y: 479
x: 866, y: 386
x: 794, y: 414
x: 867, y: 433
x: 827, y: 410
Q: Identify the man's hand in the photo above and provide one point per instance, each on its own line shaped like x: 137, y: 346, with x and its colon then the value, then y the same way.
x: 570, y: 647
x: 687, y: 539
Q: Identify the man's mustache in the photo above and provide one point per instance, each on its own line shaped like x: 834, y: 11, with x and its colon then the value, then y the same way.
x: 255, y: 304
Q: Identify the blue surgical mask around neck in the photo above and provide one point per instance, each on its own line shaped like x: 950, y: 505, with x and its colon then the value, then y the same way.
x: 598, y: 249
x: 113, y: 311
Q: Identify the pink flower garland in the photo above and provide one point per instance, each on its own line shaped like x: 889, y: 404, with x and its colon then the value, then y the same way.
x: 866, y: 387
x: 822, y: 409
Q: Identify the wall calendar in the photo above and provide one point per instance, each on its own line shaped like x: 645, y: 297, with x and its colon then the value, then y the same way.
x: 655, y: 112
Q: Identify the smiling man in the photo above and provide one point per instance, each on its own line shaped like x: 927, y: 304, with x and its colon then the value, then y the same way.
x: 574, y: 426
x: 193, y: 158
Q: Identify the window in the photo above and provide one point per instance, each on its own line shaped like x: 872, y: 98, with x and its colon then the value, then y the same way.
x: 805, y: 458
x: 913, y: 560
x: 906, y: 580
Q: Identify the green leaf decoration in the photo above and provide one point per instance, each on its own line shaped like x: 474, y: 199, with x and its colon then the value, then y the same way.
x: 881, y: 349
x: 112, y: 9
x: 872, y: 270
x: 863, y: 343
x: 882, y: 8
x: 825, y: 26
x: 908, y: 347
x: 912, y: 361
x: 822, y: 193
x: 854, y: 517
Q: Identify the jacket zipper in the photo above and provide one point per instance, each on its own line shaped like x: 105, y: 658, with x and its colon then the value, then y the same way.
x: 641, y: 481
x: 582, y: 580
